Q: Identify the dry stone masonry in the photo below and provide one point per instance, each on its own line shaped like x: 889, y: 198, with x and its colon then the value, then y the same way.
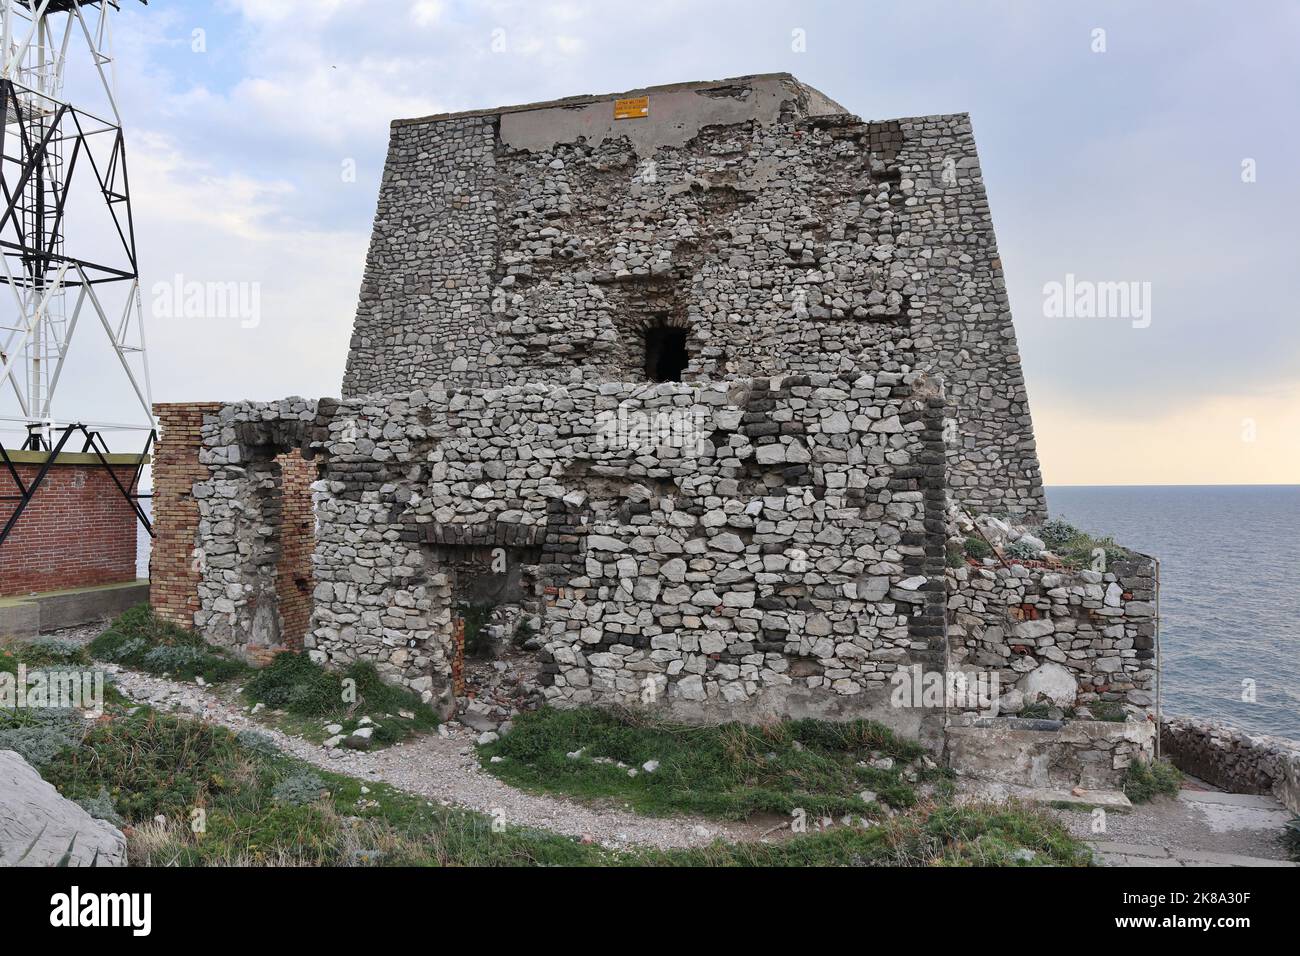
x: 751, y: 227
x: 751, y: 545
x: 1238, y: 761
x: 1096, y: 629
x: 694, y: 403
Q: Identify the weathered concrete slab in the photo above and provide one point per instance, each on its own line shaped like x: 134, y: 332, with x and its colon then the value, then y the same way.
x: 1257, y: 801
x: 23, y: 618
x: 1112, y: 800
x: 1230, y: 812
x: 19, y: 620
x: 1139, y: 854
x: 1044, y: 755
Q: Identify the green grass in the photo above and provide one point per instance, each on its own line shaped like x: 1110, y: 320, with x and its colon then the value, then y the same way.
x: 52, y: 654
x: 1075, y: 547
x: 971, y: 835
x: 255, y: 806
x: 313, y: 696
x: 304, y: 695
x: 48, y: 652
x: 233, y: 799
x: 1143, y: 780
x: 1111, y: 711
x: 141, y: 641
x: 260, y: 807
x: 732, y: 771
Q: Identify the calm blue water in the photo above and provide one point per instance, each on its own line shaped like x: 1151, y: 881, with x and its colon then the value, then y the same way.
x: 1230, y: 590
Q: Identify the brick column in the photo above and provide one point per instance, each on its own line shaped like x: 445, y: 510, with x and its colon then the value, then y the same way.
x: 293, y: 581
x: 173, y: 577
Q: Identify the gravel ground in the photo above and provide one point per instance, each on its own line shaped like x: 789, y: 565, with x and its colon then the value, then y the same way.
x: 443, y: 769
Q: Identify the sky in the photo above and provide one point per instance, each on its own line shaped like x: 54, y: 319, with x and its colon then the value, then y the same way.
x: 1148, y: 143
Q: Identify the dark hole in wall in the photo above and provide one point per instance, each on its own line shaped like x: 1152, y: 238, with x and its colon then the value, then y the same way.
x: 665, y: 353
x: 483, y: 578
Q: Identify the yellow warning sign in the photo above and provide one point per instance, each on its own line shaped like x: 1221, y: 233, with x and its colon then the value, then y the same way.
x: 638, y: 107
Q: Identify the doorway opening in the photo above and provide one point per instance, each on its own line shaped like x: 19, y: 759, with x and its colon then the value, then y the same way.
x: 666, y: 356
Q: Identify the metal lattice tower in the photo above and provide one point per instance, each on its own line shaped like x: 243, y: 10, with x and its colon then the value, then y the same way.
x: 48, y: 146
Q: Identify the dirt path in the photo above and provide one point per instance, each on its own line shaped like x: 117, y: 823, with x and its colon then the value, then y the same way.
x: 443, y: 769
x: 1200, y: 827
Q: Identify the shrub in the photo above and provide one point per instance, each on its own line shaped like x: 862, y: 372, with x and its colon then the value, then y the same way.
x: 1109, y: 710
x: 53, y: 650
x: 39, y: 735
x: 1144, y: 780
x: 1021, y: 551
x: 1075, y: 547
x: 257, y: 742
x: 298, y: 789
x: 954, y: 555
x: 978, y: 549
x: 101, y: 807
x: 1057, y: 533
x: 173, y: 659
x: 140, y: 640
x: 297, y: 684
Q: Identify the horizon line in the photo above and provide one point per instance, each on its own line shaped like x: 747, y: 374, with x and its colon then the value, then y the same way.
x: 1186, y: 485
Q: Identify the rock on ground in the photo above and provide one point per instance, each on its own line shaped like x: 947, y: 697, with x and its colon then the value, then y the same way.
x: 38, y: 825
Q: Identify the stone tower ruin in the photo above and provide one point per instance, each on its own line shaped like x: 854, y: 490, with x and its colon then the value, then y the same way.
x: 711, y: 231
x: 684, y: 384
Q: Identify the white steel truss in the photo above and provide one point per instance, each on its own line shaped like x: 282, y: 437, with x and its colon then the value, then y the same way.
x: 44, y: 142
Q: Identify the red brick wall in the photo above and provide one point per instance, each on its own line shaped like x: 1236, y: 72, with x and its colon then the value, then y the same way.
x: 293, y: 580
x: 77, y: 531
x: 173, y: 574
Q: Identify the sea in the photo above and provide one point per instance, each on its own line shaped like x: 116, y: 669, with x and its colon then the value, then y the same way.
x: 1229, y: 591
x: 1229, y: 595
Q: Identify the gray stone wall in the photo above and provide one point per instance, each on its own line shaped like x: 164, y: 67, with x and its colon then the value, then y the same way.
x: 1027, y: 622
x: 424, y: 308
x: 748, y: 547
x: 1231, y: 758
x: 779, y: 232
x: 744, y: 548
x: 238, y: 544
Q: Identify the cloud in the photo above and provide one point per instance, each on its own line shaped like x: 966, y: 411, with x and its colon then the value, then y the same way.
x: 172, y: 187
x: 1228, y: 439
x: 426, y: 12
x: 1116, y: 166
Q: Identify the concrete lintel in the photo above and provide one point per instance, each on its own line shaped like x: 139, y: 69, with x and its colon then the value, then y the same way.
x: 76, y: 458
